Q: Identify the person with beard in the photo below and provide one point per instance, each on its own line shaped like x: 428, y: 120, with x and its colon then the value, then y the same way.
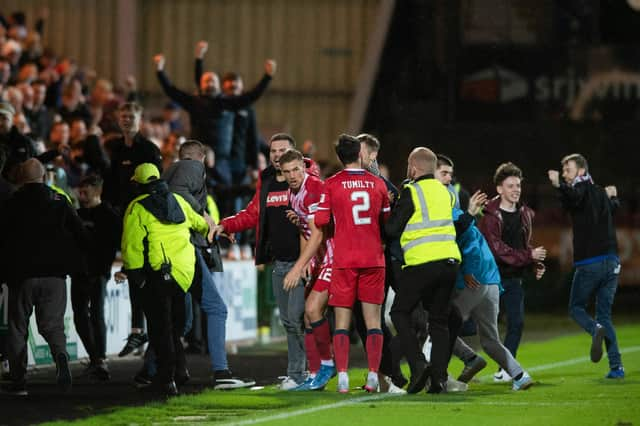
x: 211, y: 112
x: 156, y: 247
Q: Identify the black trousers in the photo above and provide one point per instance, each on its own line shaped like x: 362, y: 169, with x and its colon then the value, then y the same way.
x: 135, y: 298
x: 432, y: 284
x: 87, y: 299
x: 164, y: 308
x: 48, y: 295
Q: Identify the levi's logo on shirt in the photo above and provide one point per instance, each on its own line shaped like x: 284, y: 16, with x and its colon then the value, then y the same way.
x: 278, y: 199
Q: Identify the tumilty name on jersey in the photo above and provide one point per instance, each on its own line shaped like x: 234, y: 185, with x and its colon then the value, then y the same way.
x: 357, y: 184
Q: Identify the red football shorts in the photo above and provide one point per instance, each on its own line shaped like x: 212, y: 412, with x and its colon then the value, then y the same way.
x: 323, y: 280
x: 363, y: 284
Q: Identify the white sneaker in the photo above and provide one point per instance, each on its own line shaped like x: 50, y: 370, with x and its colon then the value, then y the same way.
x: 454, y: 385
x: 246, y: 252
x: 373, y: 385
x: 234, y: 252
x: 393, y: 388
x: 525, y: 382
x: 287, y: 383
x: 501, y: 377
x: 343, y: 383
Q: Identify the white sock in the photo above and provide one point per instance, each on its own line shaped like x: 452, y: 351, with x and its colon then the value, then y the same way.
x: 328, y: 362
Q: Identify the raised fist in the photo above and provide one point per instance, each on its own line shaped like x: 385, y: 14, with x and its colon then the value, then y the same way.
x: 159, y: 60
x: 201, y: 48
x: 270, y: 67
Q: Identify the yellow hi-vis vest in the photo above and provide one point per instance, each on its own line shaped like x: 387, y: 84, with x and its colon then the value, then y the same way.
x: 429, y: 234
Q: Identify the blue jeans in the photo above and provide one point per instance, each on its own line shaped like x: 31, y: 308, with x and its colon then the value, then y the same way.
x: 512, y: 301
x: 215, y: 309
x: 599, y: 279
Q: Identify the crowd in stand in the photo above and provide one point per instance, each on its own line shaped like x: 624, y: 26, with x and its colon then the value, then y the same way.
x: 163, y: 197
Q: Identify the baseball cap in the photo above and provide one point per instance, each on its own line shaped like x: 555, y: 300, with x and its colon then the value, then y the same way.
x: 7, y: 109
x: 145, y: 173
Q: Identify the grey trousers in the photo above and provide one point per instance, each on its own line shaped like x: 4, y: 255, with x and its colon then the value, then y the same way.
x: 482, y: 305
x: 49, y: 297
x: 291, y: 307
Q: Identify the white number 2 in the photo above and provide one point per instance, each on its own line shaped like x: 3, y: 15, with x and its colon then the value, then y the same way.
x: 361, y: 207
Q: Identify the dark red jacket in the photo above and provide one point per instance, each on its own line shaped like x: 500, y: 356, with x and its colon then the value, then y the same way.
x: 491, y: 227
x: 253, y: 216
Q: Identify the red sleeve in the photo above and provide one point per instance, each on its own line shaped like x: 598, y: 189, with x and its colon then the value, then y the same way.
x: 323, y: 214
x: 504, y: 253
x: 247, y: 218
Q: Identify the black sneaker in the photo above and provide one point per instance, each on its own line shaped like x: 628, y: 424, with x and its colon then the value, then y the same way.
x: 63, y: 373
x: 15, y: 388
x: 142, y: 379
x: 134, y: 341
x: 100, y: 371
x: 223, y: 379
x: 182, y: 377
x: 419, y: 380
x: 438, y: 387
x: 169, y: 389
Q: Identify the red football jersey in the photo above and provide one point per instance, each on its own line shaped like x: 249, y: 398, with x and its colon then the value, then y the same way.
x: 359, y: 205
x: 305, y: 204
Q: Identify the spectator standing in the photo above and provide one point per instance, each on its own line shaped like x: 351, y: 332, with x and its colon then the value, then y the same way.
x: 595, y: 255
x: 186, y: 178
x: 127, y: 152
x: 18, y: 147
x: 211, y: 111
x: 507, y: 225
x: 88, y: 290
x: 35, y: 264
x: 277, y: 242
x: 156, y: 246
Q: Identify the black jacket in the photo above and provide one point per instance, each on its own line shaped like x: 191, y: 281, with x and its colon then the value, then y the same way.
x: 42, y: 236
x: 591, y: 213
x: 18, y: 147
x: 104, y: 228
x: 211, y: 116
x: 119, y: 190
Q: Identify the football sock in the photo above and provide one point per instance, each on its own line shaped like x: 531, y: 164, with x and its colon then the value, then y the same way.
x: 313, y: 358
x: 322, y: 336
x: 374, y: 348
x: 341, y: 348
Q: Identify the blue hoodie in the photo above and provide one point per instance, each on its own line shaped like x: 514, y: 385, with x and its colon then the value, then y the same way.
x: 477, y: 258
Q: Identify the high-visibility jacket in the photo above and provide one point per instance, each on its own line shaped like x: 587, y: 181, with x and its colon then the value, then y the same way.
x: 147, y: 241
x: 429, y: 234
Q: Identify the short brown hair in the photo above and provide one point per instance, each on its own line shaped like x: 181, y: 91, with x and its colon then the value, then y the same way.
x: 91, y: 180
x: 283, y: 137
x: 370, y: 141
x: 192, y: 149
x: 579, y: 159
x: 291, y: 155
x: 133, y: 107
x: 443, y: 160
x: 506, y: 170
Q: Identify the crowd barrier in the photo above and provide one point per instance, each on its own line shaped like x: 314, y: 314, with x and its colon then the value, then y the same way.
x: 238, y: 289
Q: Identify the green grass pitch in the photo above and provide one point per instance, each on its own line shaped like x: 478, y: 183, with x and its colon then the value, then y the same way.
x: 568, y: 390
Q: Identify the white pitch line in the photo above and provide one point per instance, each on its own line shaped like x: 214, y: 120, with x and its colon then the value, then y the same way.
x: 573, y: 361
x: 352, y: 401
x: 304, y: 411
